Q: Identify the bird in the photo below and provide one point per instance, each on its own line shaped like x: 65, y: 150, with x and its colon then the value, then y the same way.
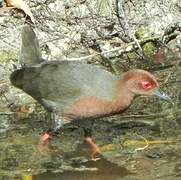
x: 74, y: 90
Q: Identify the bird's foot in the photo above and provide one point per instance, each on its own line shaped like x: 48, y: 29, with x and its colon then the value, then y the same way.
x: 95, y: 150
x: 45, y: 138
x: 44, y: 142
x: 50, y: 133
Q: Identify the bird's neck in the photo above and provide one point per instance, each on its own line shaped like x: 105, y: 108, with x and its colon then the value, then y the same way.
x: 123, y: 97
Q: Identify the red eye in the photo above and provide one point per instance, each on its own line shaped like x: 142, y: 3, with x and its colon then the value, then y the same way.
x: 146, y: 85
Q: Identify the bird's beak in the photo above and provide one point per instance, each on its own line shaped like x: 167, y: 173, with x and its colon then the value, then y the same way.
x: 163, y: 96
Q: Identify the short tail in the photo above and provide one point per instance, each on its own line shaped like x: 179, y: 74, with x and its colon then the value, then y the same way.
x: 30, y: 49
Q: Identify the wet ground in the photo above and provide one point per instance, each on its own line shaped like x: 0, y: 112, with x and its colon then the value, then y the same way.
x: 134, y: 146
x: 144, y: 143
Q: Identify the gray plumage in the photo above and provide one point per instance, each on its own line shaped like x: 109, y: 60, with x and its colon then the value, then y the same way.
x: 58, y: 84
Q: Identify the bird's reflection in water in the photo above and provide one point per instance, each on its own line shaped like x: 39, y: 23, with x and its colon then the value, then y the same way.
x: 105, y: 171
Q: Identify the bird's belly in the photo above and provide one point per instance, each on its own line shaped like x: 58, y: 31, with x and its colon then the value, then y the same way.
x: 91, y: 107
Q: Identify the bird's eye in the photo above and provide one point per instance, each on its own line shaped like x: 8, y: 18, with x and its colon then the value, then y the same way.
x: 146, y: 85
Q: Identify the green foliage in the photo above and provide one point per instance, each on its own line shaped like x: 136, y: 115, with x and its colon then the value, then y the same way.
x: 104, y: 7
x: 149, y: 48
x: 6, y: 56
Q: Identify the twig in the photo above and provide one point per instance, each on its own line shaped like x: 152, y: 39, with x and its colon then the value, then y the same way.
x: 142, y: 148
x: 126, y: 28
x: 120, y: 50
x: 166, y: 80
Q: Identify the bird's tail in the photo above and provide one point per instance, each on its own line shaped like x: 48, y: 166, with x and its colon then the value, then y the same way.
x: 30, y: 49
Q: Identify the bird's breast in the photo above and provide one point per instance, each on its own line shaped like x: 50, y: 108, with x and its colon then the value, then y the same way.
x: 91, y: 107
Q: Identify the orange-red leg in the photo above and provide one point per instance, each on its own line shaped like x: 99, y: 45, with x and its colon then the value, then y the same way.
x: 95, y: 150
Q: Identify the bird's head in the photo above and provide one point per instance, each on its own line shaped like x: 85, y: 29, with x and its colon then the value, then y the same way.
x: 141, y: 82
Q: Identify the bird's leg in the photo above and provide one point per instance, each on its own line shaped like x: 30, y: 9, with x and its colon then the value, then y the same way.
x: 88, y: 139
x: 57, y: 122
x: 57, y: 125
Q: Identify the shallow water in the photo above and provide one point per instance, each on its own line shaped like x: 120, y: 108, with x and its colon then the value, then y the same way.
x: 97, y: 170
x: 143, y: 143
x: 67, y: 157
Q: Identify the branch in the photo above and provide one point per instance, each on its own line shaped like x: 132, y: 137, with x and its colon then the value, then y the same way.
x: 130, y: 47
